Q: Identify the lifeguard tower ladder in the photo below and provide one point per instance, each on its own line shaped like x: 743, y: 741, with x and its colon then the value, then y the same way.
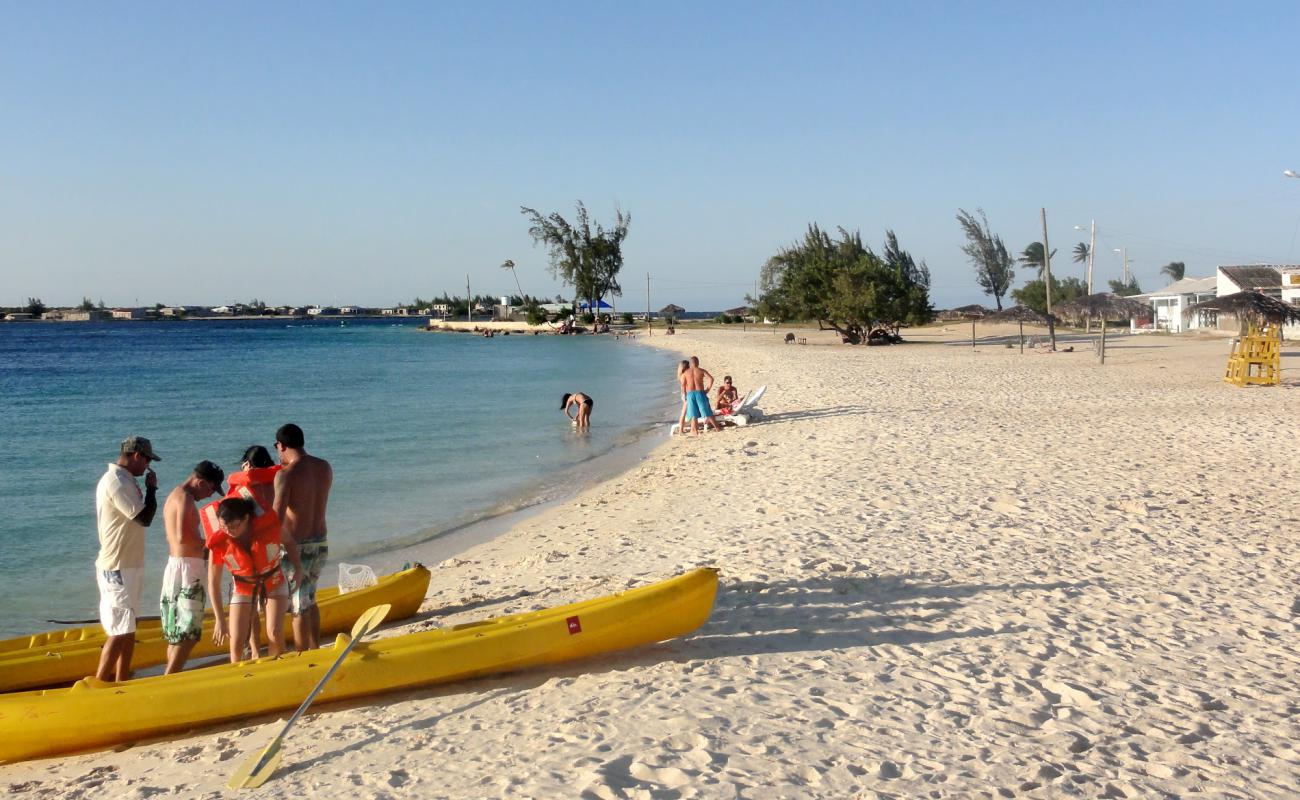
x: 1256, y: 358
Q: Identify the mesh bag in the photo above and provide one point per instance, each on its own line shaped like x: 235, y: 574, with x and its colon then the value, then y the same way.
x: 355, y: 576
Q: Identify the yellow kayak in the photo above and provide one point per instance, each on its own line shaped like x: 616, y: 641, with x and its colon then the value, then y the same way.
x: 93, y: 713
x: 47, y: 659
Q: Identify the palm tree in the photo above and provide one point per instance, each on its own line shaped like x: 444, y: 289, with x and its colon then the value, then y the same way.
x: 1081, y: 253
x: 1175, y: 270
x: 510, y: 265
x: 1032, y: 256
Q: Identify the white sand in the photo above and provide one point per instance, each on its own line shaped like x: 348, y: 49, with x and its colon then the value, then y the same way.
x: 947, y: 573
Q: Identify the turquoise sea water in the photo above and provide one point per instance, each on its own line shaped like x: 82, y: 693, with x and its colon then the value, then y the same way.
x: 425, y: 431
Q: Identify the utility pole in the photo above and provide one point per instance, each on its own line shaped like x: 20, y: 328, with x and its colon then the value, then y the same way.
x: 649, y: 329
x: 469, y: 304
x: 1124, y: 255
x: 1047, y: 275
x: 1092, y: 252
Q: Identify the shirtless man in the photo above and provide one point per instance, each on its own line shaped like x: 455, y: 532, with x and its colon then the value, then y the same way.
x: 697, y: 382
x: 184, y: 583
x: 302, y: 489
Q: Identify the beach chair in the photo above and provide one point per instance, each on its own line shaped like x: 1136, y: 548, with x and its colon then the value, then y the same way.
x: 745, y: 412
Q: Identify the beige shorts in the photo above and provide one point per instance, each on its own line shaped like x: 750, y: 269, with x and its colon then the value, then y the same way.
x: 119, y: 599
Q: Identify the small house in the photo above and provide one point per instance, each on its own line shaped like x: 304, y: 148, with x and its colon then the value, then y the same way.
x: 1169, y: 304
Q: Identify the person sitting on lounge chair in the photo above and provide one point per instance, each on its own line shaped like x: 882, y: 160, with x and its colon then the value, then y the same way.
x: 727, y: 396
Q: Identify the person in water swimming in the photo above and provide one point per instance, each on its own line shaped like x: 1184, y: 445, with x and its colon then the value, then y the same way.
x: 583, y: 403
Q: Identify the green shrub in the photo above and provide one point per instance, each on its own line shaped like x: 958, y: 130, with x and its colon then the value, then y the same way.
x: 626, y: 318
x: 588, y: 318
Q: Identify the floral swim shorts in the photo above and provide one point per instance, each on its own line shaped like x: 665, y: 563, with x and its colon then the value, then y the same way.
x: 312, y: 553
x: 184, y: 589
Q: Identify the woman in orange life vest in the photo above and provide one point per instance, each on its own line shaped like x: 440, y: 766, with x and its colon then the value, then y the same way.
x: 246, y: 541
x: 258, y: 475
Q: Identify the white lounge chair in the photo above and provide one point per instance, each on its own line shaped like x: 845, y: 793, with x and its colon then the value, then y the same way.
x: 745, y: 412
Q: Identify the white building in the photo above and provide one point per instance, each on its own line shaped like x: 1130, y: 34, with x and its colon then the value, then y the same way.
x: 1169, y: 303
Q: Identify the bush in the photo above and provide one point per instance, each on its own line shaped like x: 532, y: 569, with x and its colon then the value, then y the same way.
x: 588, y: 318
x: 721, y: 318
x: 726, y: 320
x: 626, y: 318
x: 536, y: 316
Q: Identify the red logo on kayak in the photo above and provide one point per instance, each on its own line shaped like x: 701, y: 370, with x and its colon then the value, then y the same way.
x: 574, y: 625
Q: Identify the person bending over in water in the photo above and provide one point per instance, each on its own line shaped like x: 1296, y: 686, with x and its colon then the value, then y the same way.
x: 248, y: 545
x: 727, y: 396
x: 185, y: 580
x: 302, y: 490
x: 583, y: 403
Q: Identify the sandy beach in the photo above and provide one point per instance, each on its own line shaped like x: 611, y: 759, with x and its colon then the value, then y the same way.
x: 946, y: 572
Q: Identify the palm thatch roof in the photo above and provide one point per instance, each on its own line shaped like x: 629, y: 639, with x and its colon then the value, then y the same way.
x: 672, y: 309
x: 1017, y: 314
x: 738, y: 311
x: 1254, y: 307
x: 1102, y: 305
x: 972, y: 311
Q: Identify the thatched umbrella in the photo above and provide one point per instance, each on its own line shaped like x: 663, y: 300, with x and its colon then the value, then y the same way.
x: 972, y: 311
x: 1251, y: 308
x: 1020, y: 314
x: 1102, y: 305
x: 672, y: 310
x: 1105, y: 306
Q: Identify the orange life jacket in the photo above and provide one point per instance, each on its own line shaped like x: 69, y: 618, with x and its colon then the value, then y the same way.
x: 260, y: 481
x: 255, y: 565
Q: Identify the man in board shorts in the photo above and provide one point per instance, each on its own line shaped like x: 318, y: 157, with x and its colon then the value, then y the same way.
x: 302, y: 490
x: 696, y: 383
x: 122, y: 513
x: 185, y: 579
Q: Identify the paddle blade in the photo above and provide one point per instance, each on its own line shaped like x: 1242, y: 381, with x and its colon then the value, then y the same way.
x: 370, y: 619
x: 254, y: 772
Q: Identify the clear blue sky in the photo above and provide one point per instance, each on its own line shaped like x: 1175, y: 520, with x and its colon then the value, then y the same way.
x: 366, y: 153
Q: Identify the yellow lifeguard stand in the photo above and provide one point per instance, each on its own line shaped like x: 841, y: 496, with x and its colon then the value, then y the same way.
x: 1256, y: 358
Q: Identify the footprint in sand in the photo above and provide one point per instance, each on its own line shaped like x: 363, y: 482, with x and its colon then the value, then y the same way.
x: 671, y: 777
x: 1005, y: 504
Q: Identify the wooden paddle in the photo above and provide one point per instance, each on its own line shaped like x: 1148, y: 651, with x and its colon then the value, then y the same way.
x: 254, y: 772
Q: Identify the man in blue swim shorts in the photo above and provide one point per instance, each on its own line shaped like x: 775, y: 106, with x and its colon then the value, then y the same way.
x: 696, y: 383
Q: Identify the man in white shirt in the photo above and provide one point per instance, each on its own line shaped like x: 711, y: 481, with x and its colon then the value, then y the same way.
x: 123, y: 513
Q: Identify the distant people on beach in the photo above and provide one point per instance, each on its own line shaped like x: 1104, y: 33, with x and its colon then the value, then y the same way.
x: 302, y: 490
x: 185, y: 578
x: 247, y: 545
x: 583, y: 404
x: 696, y: 383
x: 727, y: 396
x: 122, y: 512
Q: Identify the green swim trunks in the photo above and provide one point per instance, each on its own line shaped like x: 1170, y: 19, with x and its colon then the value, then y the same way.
x: 184, y: 590
x: 312, y: 553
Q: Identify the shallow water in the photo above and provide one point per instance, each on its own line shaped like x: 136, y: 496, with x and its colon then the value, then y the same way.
x: 425, y: 431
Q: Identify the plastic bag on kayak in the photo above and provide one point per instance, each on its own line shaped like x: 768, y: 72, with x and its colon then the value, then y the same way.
x: 355, y: 576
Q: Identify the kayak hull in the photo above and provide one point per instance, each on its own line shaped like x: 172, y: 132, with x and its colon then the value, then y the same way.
x: 95, y: 713
x: 49, y: 659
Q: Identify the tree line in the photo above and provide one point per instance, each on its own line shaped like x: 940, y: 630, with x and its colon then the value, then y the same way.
x: 995, y: 268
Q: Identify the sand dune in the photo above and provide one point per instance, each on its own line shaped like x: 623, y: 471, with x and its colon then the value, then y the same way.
x: 947, y: 572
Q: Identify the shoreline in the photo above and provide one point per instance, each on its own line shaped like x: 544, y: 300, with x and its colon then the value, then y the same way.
x: 946, y: 571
